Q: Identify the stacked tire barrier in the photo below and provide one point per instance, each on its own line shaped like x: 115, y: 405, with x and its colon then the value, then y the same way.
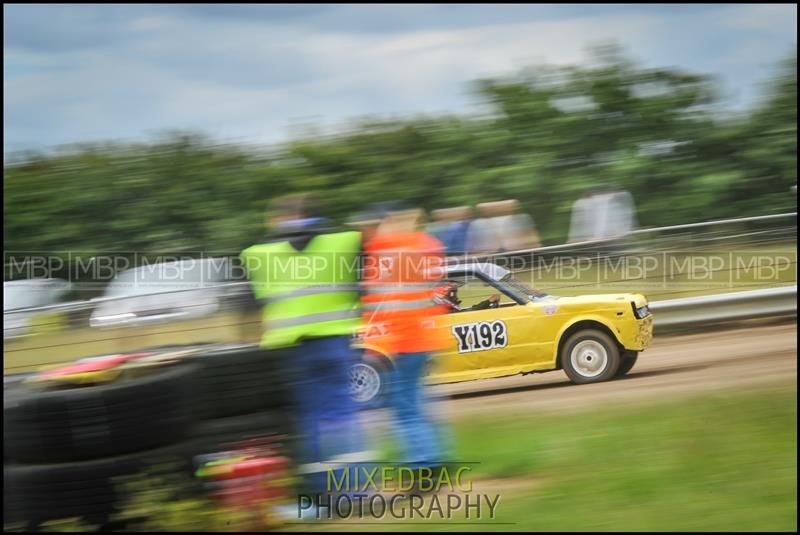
x: 65, y: 447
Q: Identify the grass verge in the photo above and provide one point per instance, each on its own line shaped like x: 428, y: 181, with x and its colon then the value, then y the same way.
x: 721, y: 462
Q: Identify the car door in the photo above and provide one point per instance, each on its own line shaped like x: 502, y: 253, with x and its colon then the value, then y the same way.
x: 483, y: 343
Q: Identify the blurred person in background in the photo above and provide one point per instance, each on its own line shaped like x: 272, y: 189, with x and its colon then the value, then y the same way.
x: 403, y: 266
x: 481, y: 238
x: 368, y: 220
x: 602, y: 214
x: 307, y: 280
x: 450, y: 227
x: 439, y: 226
x: 514, y: 230
x: 580, y: 224
x: 457, y: 239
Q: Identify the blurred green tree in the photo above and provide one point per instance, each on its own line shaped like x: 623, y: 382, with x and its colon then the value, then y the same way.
x: 551, y: 132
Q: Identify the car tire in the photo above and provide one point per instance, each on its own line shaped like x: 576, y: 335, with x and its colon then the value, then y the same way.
x: 628, y: 361
x: 369, y: 381
x: 590, y: 356
x: 78, y: 423
x: 239, y: 380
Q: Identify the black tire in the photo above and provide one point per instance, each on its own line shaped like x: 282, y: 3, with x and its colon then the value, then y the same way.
x: 371, y: 367
x: 628, y: 361
x: 89, y: 490
x: 239, y: 380
x: 597, y: 357
x: 74, y: 424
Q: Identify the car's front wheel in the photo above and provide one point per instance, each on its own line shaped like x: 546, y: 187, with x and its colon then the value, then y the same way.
x: 590, y: 356
x: 369, y: 379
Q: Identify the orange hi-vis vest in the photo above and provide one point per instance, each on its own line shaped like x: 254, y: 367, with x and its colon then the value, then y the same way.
x: 398, y: 281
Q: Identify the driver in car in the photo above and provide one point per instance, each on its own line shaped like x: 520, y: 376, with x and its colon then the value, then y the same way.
x: 447, y: 295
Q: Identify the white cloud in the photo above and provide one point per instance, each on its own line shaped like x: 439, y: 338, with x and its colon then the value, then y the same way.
x: 251, y: 79
x: 767, y: 17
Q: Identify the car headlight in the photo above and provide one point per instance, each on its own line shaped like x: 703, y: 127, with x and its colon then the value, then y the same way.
x: 641, y: 312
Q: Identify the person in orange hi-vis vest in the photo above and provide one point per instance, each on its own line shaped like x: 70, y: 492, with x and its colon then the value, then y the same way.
x: 402, y: 267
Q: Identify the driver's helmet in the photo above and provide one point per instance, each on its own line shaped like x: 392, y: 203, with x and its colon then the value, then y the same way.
x: 447, y: 294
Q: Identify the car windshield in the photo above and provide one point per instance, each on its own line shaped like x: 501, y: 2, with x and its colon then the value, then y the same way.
x: 522, y: 290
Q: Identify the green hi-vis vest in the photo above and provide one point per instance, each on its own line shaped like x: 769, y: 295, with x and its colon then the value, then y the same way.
x: 309, y: 293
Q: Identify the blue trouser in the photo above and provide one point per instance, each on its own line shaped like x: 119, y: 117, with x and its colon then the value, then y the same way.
x: 326, y: 416
x: 417, y: 434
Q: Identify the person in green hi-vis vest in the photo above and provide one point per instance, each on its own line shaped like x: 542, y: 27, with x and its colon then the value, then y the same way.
x: 306, y: 277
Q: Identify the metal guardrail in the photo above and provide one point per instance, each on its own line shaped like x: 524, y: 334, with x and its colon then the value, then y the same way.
x: 69, y: 306
x: 689, y: 310
x: 725, y: 307
x: 673, y: 312
x: 715, y: 223
x: 654, y: 230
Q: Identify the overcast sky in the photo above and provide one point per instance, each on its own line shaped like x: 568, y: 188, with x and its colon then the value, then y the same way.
x: 248, y: 72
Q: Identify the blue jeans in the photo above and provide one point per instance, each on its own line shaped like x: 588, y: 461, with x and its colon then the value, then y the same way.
x: 417, y: 434
x: 326, y: 416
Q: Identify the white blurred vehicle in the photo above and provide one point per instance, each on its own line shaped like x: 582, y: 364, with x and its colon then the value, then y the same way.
x: 185, y: 304
x: 164, y: 292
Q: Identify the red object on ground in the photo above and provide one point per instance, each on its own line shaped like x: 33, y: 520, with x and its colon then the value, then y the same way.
x: 250, y: 481
x: 112, y: 361
x: 254, y: 477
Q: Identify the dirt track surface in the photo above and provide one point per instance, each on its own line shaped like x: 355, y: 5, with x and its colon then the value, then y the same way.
x: 671, y: 367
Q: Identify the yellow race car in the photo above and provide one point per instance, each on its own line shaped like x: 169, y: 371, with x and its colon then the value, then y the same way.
x: 592, y: 337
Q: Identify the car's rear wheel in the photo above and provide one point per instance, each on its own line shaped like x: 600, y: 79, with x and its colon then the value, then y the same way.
x: 590, y: 356
x: 369, y: 379
x: 628, y: 361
